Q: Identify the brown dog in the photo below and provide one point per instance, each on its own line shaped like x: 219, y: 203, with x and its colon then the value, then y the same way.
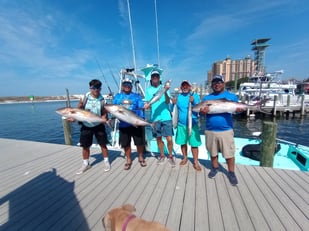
x: 122, y: 218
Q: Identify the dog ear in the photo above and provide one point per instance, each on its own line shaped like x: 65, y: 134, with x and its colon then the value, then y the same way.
x: 107, y: 223
x: 129, y: 208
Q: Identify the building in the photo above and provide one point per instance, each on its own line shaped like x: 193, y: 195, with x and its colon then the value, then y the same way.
x: 233, y: 69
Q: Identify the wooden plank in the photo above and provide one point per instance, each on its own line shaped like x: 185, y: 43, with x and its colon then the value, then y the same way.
x: 52, y: 197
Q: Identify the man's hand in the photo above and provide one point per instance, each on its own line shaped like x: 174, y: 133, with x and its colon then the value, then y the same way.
x: 204, y: 110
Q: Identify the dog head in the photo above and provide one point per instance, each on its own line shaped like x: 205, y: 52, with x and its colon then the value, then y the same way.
x: 109, y: 219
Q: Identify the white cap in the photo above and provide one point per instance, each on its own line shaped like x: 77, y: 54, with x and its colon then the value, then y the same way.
x: 127, y: 80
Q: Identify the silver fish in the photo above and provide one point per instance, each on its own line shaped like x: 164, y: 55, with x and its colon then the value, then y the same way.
x: 79, y: 115
x: 160, y: 92
x: 126, y: 115
x: 189, y: 118
x: 175, y: 116
x: 220, y: 106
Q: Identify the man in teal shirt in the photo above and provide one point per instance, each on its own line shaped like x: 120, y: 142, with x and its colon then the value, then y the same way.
x: 161, y: 115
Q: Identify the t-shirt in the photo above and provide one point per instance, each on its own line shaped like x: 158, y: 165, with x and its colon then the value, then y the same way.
x: 131, y: 101
x: 221, y: 121
x: 183, y: 105
x: 93, y: 105
x: 160, y: 109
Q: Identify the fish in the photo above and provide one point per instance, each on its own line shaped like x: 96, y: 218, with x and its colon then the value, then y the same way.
x: 175, y: 116
x: 80, y: 115
x: 160, y: 92
x: 189, y: 118
x: 126, y: 115
x: 221, y: 106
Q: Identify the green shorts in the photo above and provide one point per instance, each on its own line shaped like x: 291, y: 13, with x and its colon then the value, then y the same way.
x: 182, y: 136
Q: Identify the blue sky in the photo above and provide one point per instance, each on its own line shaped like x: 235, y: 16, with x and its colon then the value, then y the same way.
x: 49, y: 45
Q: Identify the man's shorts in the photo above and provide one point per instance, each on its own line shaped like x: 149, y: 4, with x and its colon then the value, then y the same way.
x: 164, y: 129
x: 182, y: 136
x: 86, y: 135
x: 220, y: 142
x: 125, y: 135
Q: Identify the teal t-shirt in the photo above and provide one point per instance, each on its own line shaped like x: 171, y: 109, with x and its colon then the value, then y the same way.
x: 183, y: 105
x: 160, y: 109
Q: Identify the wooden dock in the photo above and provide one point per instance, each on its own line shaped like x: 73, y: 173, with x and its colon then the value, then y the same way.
x: 39, y: 190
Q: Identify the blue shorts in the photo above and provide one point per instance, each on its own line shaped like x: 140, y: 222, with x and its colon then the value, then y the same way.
x: 182, y: 136
x: 164, y: 129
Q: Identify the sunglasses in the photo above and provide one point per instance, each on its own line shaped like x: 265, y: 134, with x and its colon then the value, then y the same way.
x: 95, y: 88
x: 127, y: 85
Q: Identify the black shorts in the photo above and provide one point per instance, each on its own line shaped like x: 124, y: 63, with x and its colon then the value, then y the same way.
x: 125, y: 135
x: 86, y: 135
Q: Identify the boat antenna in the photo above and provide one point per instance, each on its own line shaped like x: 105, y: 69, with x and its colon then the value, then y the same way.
x: 132, y: 38
x: 109, y: 89
x: 157, y: 32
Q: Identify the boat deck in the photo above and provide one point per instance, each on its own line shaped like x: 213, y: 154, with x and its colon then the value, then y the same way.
x: 39, y: 190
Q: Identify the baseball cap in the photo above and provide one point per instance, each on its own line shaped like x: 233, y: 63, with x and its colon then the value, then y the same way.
x: 127, y: 80
x: 155, y: 72
x: 185, y: 81
x: 218, y: 78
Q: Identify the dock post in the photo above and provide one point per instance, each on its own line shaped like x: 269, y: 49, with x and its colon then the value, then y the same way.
x: 302, y: 110
x: 66, y: 124
x: 268, y: 144
x: 275, y: 106
x: 67, y: 131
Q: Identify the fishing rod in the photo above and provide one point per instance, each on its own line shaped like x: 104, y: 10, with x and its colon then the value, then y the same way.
x: 109, y: 89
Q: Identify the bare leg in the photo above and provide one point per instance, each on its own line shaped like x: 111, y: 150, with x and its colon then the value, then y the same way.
x: 214, y: 162
x: 104, y: 151
x: 231, y: 164
x: 160, y: 145
x: 169, y: 145
x: 127, y: 152
x: 195, y: 154
x: 86, y: 153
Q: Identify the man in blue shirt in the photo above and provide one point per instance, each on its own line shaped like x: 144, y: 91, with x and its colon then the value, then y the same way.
x: 219, y: 130
x: 183, y: 137
x: 133, y: 102
x: 161, y: 114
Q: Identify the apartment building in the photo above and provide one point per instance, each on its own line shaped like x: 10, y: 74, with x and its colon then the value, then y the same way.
x: 233, y: 69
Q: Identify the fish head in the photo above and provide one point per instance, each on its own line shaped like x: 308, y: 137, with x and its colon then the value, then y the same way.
x: 112, y: 107
x: 65, y: 111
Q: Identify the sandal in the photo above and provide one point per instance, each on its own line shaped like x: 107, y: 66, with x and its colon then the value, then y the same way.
x: 197, y: 167
x: 127, y: 166
x: 142, y: 163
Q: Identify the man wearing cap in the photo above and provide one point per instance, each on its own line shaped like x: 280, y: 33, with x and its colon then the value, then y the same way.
x: 133, y: 102
x: 219, y: 130
x: 161, y: 114
x: 183, y: 137
x: 93, y: 101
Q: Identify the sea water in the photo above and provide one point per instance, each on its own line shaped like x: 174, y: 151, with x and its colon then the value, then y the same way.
x: 38, y: 121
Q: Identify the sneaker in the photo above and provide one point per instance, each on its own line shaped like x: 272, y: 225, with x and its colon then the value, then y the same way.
x: 232, y: 178
x: 161, y: 160
x: 171, y: 161
x: 106, y: 166
x: 213, y: 172
x: 83, y: 169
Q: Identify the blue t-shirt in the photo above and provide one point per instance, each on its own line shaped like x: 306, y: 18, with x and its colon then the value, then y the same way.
x: 93, y: 105
x: 183, y: 105
x: 159, y: 110
x: 222, y: 121
x: 133, y: 102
